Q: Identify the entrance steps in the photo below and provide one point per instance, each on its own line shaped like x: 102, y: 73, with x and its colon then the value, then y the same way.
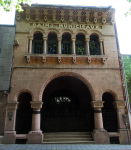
x: 68, y: 138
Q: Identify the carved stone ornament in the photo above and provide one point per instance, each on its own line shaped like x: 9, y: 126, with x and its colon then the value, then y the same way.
x: 36, y: 104
x: 89, y: 59
x: 104, y: 20
x: 12, y: 105
x: 119, y: 104
x: 45, y: 18
x: 62, y: 19
x: 79, y: 20
x: 28, y: 59
x: 44, y: 59
x: 112, y: 21
x: 70, y: 19
x: 87, y: 19
x: 95, y: 20
x: 54, y: 18
x: 18, y: 17
x: 97, y: 104
x: 16, y: 43
x: 74, y: 60
x: 27, y: 18
x: 59, y: 60
x: 37, y: 18
x: 104, y: 59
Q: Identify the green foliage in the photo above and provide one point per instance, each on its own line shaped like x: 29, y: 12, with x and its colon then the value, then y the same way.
x: 8, y: 5
x: 127, y: 66
x: 129, y: 11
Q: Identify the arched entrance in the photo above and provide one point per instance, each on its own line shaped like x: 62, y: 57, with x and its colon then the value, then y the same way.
x: 109, y: 113
x: 66, y: 106
x: 24, y: 114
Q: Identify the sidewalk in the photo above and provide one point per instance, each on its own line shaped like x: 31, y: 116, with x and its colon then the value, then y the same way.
x: 63, y: 147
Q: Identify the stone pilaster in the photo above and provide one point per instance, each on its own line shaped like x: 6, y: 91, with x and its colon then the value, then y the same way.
x: 101, y: 46
x: 59, y: 45
x: 73, y: 46
x: 99, y: 133
x: 9, y: 133
x: 120, y: 109
x: 87, y: 46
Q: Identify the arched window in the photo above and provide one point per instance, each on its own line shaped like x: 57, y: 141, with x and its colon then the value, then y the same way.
x: 66, y: 44
x: 52, y: 44
x: 94, y: 45
x: 37, y: 44
x: 80, y: 45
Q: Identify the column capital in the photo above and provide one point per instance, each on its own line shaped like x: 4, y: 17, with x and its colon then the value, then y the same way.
x: 36, y: 104
x: 59, y: 38
x: 73, y: 39
x: 100, y: 40
x: 12, y: 105
x: 120, y: 104
x: 97, y: 104
x: 87, y: 39
x: 45, y: 38
x: 30, y: 37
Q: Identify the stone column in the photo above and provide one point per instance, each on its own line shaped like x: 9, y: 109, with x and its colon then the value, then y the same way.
x: 59, y: 45
x: 44, y: 50
x: 120, y: 109
x: 101, y: 46
x: 73, y: 46
x: 100, y: 135
x: 9, y: 132
x: 87, y: 46
x: 35, y: 135
x: 30, y: 44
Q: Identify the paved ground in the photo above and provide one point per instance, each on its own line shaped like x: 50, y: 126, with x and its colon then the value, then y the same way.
x: 63, y: 147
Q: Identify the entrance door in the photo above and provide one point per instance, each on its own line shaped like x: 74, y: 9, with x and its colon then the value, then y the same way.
x: 63, y: 114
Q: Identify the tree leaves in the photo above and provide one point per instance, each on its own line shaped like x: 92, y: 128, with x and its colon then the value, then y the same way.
x: 8, y: 5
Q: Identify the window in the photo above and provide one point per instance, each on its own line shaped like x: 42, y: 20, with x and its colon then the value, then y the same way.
x: 80, y: 45
x: 37, y: 44
x: 94, y: 45
x: 66, y: 44
x: 52, y: 44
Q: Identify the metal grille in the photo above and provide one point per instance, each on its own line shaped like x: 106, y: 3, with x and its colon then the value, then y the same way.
x: 38, y: 47
x: 75, y: 12
x: 91, y: 13
x: 41, y: 11
x: 83, y: 13
x: 32, y: 10
x: 52, y: 48
x: 110, y: 120
x: 66, y: 48
x: 58, y: 12
x: 23, y: 122
x: 109, y: 14
x: 99, y: 13
x: 66, y: 12
x: 80, y: 48
x: 66, y: 122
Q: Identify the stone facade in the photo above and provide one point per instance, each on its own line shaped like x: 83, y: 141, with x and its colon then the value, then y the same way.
x: 33, y: 72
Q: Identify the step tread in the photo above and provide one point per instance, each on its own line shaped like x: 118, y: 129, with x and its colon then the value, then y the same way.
x: 71, y: 142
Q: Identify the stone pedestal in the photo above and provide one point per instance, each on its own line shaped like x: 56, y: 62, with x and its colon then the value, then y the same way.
x: 35, y: 135
x: 123, y: 138
x: 101, y: 137
x: 9, y: 137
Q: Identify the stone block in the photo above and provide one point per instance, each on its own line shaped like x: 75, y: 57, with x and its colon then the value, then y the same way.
x: 123, y: 136
x: 9, y: 137
x: 35, y: 137
x: 101, y: 137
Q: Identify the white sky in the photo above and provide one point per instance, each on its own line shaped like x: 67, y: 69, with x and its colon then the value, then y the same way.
x: 123, y: 23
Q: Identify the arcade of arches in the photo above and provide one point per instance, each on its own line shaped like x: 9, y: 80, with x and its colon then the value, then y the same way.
x: 67, y: 107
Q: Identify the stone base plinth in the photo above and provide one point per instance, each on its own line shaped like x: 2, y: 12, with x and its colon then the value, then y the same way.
x: 123, y: 138
x: 101, y: 137
x: 9, y: 137
x: 35, y: 137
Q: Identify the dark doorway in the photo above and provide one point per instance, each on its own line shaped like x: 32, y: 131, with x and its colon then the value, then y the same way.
x: 67, y: 106
x: 109, y: 113
x: 24, y: 114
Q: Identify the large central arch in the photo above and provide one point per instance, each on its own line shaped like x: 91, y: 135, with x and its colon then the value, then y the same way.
x: 67, y: 106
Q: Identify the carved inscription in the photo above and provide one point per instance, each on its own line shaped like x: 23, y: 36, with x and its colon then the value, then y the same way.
x: 65, y: 25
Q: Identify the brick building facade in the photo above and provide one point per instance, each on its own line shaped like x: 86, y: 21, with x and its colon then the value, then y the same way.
x: 66, y: 76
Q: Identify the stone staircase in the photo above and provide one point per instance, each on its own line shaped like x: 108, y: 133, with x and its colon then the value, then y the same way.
x: 68, y: 138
